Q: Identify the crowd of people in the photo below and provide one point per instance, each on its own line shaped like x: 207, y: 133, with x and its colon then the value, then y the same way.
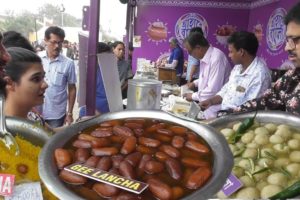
x: 284, y: 95
x: 41, y: 84
x: 69, y: 49
x: 220, y: 89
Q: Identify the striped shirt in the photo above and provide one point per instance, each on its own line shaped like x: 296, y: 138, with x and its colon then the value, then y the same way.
x: 59, y: 73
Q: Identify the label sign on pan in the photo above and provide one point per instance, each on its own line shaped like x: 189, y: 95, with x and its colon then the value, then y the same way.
x: 108, y: 178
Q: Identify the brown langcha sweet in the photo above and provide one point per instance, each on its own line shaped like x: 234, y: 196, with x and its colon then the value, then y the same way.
x: 72, y: 178
x: 133, y: 125
x: 105, y: 190
x: 82, y: 144
x: 149, y: 142
x: 145, y: 150
x: 122, y: 131
x: 92, y: 161
x: 195, y: 163
x: 126, y: 170
x: 198, y: 178
x: 178, y: 130
x: 178, y: 142
x: 116, y: 160
x: 153, y: 167
x: 81, y: 155
x: 196, y: 146
x: 105, y: 163
x: 165, y: 132
x: 134, y: 158
x: 161, y: 156
x: 127, y: 196
x: 160, y: 189
x: 100, y: 142
x: 172, y: 159
x: 129, y: 145
x: 141, y: 167
x: 177, y: 192
x: 174, y: 168
x: 171, y: 151
x: 62, y: 158
x: 105, y: 151
x: 100, y: 133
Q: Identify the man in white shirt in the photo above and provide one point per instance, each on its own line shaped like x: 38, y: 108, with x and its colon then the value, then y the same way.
x: 192, y: 71
x: 61, y: 79
x: 249, y: 78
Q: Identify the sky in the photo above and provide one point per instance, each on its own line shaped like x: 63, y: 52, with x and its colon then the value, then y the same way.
x: 113, y: 13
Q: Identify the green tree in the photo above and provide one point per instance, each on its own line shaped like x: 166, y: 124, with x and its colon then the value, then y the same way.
x: 54, y: 12
x: 23, y: 23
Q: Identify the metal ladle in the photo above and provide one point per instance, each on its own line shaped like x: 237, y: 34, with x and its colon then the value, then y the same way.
x: 6, y: 137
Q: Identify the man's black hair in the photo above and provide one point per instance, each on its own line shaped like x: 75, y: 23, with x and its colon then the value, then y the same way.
x: 293, y: 15
x: 244, y: 40
x: 56, y: 31
x: 195, y: 39
x: 15, y: 39
x: 197, y: 29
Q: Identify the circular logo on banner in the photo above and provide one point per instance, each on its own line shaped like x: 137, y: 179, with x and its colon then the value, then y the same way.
x: 276, y: 29
x: 188, y: 21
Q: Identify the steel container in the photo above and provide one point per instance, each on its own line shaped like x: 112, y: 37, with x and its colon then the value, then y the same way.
x: 143, y: 94
x: 276, y: 117
x: 28, y: 130
x: 222, y: 162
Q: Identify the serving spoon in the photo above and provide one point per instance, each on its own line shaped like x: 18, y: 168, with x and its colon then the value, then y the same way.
x: 6, y: 137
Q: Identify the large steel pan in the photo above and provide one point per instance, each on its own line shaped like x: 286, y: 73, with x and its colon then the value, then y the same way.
x: 28, y: 130
x: 223, y: 159
x: 276, y: 117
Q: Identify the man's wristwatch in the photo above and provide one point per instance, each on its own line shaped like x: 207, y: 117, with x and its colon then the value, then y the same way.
x: 69, y: 114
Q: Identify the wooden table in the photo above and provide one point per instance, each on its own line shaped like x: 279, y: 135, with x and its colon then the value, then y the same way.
x: 167, y: 74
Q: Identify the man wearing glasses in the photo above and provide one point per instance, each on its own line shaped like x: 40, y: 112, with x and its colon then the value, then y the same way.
x: 61, y: 80
x: 214, y: 71
x: 285, y: 94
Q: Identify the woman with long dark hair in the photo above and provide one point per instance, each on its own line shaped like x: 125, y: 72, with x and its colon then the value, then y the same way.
x: 22, y: 83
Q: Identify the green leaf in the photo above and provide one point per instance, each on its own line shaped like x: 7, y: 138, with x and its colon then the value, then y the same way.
x: 269, y: 155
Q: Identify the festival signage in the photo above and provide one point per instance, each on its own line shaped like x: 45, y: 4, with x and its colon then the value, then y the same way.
x: 223, y: 33
x: 275, y: 34
x: 108, y: 178
x: 157, y: 31
x: 232, y: 185
x: 6, y: 184
x: 188, y: 21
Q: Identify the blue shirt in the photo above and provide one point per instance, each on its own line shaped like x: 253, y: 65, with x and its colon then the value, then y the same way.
x: 60, y: 72
x: 101, y: 100
x: 177, y: 54
x: 192, y: 61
